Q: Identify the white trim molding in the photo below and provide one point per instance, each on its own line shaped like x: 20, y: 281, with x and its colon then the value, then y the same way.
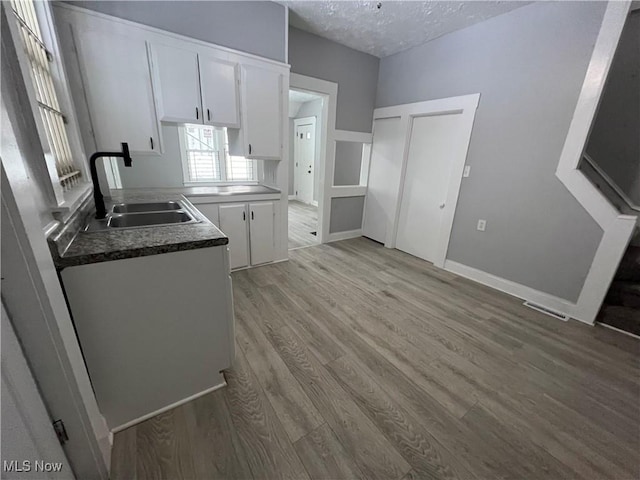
x: 337, y: 236
x: 350, y: 136
x: 617, y: 228
x: 512, y: 288
x: 329, y: 92
x: 223, y: 383
x: 348, y: 191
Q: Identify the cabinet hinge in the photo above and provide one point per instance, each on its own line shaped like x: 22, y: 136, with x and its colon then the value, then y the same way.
x: 61, y: 432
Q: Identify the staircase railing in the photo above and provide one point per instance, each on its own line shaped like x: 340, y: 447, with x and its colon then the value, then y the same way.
x: 628, y: 203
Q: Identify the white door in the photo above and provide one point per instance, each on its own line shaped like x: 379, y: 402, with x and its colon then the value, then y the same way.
x: 384, y: 178
x: 262, y: 103
x: 433, y: 143
x: 219, y: 84
x: 179, y: 84
x: 117, y: 79
x: 304, y: 150
x: 261, y: 232
x: 25, y: 422
x: 233, y: 223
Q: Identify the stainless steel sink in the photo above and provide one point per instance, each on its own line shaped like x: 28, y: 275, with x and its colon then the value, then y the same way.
x: 140, y: 215
x: 146, y: 207
x: 148, y: 219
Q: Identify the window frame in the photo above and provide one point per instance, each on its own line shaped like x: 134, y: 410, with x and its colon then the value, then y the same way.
x: 257, y: 166
x: 62, y: 202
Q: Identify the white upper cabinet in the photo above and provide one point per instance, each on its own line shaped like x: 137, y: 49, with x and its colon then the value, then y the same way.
x: 135, y: 76
x: 261, y: 133
x: 219, y: 86
x: 117, y: 82
x: 195, y: 87
x: 178, y: 86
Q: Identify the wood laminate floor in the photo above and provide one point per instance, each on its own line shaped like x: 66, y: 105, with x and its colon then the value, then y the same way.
x: 357, y: 361
x: 303, y: 219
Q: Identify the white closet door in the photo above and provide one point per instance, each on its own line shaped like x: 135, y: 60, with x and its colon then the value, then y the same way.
x: 432, y: 146
x: 384, y: 178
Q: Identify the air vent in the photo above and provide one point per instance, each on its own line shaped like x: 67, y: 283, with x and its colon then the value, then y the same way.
x: 546, y: 311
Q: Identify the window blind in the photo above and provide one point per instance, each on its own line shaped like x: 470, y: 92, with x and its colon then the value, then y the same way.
x: 208, y: 159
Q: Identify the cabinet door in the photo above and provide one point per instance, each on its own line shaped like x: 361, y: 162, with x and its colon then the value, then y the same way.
x: 233, y: 223
x: 210, y: 210
x: 262, y: 100
x: 179, y: 84
x: 261, y: 232
x: 117, y: 81
x: 219, y: 84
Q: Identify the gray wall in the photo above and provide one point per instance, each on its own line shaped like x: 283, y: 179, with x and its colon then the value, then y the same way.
x: 153, y: 171
x: 614, y: 143
x: 356, y: 74
x: 528, y: 65
x: 256, y: 27
x: 348, y: 163
x: 346, y: 214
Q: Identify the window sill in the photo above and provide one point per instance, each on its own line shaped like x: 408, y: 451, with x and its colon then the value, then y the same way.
x: 219, y: 184
x: 73, y: 200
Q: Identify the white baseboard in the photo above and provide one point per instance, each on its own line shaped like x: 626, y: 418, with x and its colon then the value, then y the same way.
x: 335, y: 237
x: 518, y: 290
x: 141, y: 419
x: 292, y: 197
x: 314, y: 203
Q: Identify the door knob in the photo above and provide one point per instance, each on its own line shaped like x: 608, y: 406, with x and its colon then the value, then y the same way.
x: 442, y: 205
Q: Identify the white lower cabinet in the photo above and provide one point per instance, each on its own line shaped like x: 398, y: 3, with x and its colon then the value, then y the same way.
x: 261, y: 232
x: 233, y: 222
x: 250, y: 228
x: 154, y: 330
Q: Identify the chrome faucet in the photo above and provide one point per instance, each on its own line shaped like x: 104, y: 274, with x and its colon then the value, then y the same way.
x: 98, y: 199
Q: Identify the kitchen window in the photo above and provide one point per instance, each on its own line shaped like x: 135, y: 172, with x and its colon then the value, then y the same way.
x: 206, y: 158
x: 40, y: 60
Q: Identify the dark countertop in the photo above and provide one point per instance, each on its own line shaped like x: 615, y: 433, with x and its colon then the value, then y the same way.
x: 71, y: 246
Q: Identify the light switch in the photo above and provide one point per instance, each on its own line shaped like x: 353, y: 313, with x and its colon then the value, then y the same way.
x: 466, y: 171
x: 482, y: 225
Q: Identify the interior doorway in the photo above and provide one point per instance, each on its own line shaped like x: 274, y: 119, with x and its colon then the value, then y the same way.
x: 305, y: 124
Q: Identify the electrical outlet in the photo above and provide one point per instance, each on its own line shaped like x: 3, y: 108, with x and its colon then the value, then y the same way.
x: 482, y: 225
x: 466, y: 171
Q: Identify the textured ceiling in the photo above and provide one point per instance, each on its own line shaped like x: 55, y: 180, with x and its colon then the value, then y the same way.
x: 395, y: 26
